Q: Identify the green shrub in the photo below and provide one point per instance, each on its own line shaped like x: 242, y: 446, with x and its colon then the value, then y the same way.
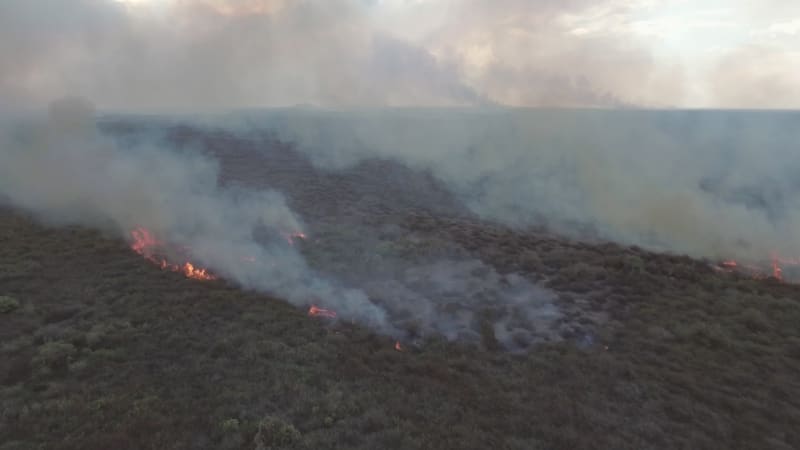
x: 530, y: 260
x: 106, y: 334
x: 659, y: 333
x: 79, y: 365
x: 230, y: 425
x: 634, y: 264
x: 578, y: 270
x: 703, y: 333
x: 754, y: 320
x: 793, y: 347
x: 274, y: 432
x: 54, y: 355
x: 95, y: 336
x: 8, y: 304
x: 103, y: 355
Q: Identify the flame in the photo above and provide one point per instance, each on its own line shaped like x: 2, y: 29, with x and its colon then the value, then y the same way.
x: 398, y: 346
x: 322, y: 312
x: 145, y: 244
x: 778, y: 263
x: 142, y: 240
x: 290, y: 237
x: 198, y: 274
x: 774, y: 269
x: 787, y: 261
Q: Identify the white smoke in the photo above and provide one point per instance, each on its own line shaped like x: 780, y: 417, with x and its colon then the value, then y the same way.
x: 64, y: 171
x: 708, y: 184
x: 713, y: 185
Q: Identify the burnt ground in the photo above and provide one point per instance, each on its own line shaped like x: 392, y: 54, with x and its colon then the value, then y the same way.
x: 104, y: 350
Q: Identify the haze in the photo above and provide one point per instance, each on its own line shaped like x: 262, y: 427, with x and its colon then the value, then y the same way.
x: 216, y: 54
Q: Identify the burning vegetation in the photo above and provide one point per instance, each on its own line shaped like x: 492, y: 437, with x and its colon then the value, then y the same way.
x: 673, y: 323
x: 315, y: 311
x: 785, y: 270
x: 160, y: 253
x: 145, y: 244
x: 293, y: 237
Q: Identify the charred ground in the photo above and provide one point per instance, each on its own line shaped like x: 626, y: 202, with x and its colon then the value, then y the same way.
x: 104, y: 350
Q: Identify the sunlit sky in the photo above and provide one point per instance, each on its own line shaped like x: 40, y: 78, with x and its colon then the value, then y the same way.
x: 645, y: 53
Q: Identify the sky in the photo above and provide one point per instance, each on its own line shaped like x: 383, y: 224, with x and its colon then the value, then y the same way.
x: 219, y: 54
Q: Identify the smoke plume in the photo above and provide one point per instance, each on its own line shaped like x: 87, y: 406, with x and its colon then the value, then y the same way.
x: 64, y: 171
x: 215, y: 54
x: 708, y: 184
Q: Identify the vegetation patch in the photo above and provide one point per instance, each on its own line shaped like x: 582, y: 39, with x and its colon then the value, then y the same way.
x: 657, y: 351
x: 8, y: 304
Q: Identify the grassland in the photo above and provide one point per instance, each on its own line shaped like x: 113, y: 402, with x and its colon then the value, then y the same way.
x: 101, y: 349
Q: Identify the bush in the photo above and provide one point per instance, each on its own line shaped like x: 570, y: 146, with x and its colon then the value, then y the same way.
x: 633, y: 264
x: 230, y: 425
x: 274, y: 432
x: 793, y: 347
x: 659, y: 333
x: 754, y: 320
x: 106, y: 334
x: 55, y: 355
x: 579, y: 270
x: 8, y: 304
x: 530, y: 261
x: 706, y: 334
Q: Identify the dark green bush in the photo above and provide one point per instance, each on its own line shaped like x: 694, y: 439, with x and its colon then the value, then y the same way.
x: 8, y: 304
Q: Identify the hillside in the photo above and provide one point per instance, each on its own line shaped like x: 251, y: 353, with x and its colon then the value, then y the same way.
x: 107, y: 351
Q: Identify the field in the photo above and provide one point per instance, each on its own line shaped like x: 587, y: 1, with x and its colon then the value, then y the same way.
x: 102, y: 349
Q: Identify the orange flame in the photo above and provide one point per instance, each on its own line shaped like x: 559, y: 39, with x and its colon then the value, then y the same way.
x: 774, y: 270
x: 142, y: 241
x: 290, y: 238
x: 777, y: 272
x: 322, y: 312
x: 398, y: 347
x: 145, y: 244
x: 197, y: 274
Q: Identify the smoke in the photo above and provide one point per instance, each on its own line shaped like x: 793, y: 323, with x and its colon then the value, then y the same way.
x: 765, y: 81
x: 448, y: 296
x: 216, y: 54
x: 65, y: 172
x: 702, y: 183
x: 708, y: 184
x: 191, y: 55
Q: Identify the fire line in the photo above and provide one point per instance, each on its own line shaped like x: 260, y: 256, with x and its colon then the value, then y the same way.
x: 145, y: 244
